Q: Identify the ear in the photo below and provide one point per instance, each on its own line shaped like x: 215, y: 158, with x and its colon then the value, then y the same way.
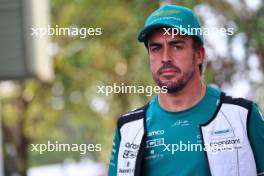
x: 199, y: 55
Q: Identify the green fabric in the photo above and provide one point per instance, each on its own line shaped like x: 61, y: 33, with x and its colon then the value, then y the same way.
x: 182, y: 126
x: 173, y: 127
x: 112, y: 171
x: 256, y: 136
x: 172, y: 16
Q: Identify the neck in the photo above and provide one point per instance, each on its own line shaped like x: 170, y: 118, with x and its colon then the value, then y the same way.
x: 190, y: 95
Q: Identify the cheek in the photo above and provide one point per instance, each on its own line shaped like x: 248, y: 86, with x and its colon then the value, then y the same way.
x: 154, y: 63
x: 188, y: 63
x: 185, y: 62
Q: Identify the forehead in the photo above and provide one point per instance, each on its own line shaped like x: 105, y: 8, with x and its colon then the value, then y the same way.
x: 165, y: 34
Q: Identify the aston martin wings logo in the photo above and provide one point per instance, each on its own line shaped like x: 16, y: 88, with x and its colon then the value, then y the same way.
x: 167, y: 13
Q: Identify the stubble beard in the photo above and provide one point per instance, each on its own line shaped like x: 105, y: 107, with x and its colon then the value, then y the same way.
x: 179, y: 84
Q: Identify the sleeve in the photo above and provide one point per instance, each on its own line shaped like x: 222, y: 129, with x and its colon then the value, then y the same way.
x: 256, y: 136
x: 112, y: 171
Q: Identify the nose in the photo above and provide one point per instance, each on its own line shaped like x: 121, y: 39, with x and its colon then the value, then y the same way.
x: 166, y: 57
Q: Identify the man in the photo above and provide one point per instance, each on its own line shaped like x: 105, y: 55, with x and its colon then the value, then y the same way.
x: 193, y: 129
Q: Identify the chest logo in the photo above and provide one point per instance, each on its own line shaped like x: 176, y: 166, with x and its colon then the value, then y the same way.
x: 221, y: 132
x: 181, y: 123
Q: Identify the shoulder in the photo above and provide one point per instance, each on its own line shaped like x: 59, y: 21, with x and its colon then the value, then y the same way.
x: 213, y: 91
x: 133, y: 115
x: 256, y: 114
x: 228, y: 99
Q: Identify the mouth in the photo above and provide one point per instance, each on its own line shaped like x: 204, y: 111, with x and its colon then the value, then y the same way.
x: 168, y: 72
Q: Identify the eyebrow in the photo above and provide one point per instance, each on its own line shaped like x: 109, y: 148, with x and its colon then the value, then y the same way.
x: 172, y: 42
x: 154, y: 44
x: 177, y: 42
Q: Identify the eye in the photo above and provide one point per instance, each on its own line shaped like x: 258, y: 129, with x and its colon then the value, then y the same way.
x: 178, y: 46
x: 155, y: 48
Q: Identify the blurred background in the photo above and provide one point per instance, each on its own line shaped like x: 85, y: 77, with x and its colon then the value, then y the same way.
x: 48, y: 87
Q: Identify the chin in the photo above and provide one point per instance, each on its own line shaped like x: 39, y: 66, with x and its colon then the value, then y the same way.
x: 169, y: 83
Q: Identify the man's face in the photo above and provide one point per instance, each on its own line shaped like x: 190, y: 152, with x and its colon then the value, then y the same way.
x: 172, y: 60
